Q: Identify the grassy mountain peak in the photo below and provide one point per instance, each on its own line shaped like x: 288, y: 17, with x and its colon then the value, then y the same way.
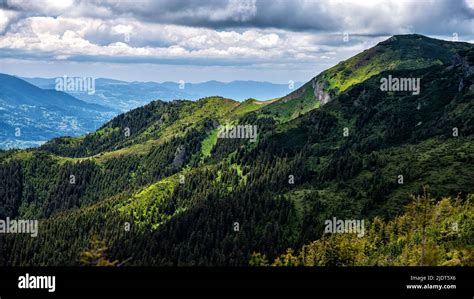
x: 399, y: 52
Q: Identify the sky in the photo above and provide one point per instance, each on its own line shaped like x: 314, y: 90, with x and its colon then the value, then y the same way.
x: 198, y: 40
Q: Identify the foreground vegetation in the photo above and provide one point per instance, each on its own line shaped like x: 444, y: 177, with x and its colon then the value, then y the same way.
x: 429, y: 233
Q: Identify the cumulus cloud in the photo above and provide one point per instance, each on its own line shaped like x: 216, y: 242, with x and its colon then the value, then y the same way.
x: 67, y: 37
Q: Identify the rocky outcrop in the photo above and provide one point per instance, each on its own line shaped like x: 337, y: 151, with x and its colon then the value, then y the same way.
x: 468, y: 70
x: 319, y: 92
x: 179, y: 157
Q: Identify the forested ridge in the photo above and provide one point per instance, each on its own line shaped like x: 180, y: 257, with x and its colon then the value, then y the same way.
x: 158, y: 187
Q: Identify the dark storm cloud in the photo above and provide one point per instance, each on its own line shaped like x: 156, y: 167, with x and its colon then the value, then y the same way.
x: 220, y: 14
x: 371, y: 17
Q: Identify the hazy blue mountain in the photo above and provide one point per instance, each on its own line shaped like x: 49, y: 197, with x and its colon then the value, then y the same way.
x: 237, y: 90
x: 128, y: 95
x: 119, y: 94
x: 30, y: 115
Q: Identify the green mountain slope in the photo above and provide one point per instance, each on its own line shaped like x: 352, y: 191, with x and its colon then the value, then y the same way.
x: 400, y: 52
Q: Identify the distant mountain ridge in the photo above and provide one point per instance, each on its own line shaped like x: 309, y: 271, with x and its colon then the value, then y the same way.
x: 128, y: 95
x: 30, y: 115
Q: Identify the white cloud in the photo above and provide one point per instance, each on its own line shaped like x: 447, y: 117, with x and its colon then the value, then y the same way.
x: 69, y: 37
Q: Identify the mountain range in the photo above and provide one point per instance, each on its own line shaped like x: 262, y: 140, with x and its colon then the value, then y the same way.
x: 29, y: 115
x: 128, y: 95
x: 160, y: 185
x: 32, y: 111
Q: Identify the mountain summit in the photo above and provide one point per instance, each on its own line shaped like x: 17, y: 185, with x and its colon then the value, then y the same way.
x: 400, y: 52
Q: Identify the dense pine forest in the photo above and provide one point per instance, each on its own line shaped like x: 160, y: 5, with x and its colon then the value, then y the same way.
x: 158, y: 186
